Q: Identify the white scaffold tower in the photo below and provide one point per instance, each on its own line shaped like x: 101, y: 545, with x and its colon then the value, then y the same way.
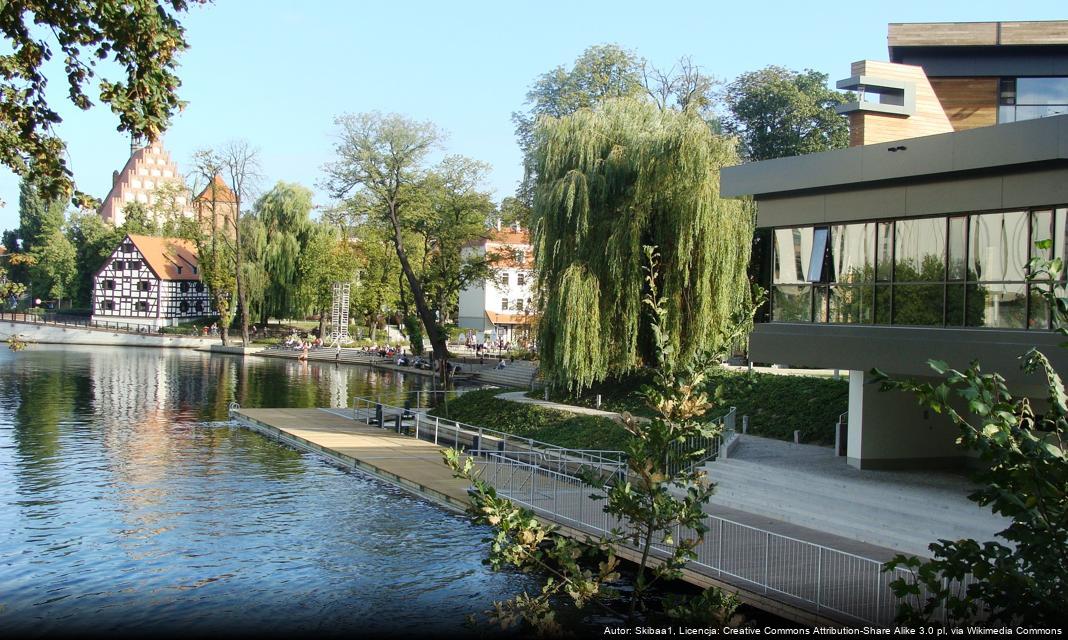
x: 339, y: 314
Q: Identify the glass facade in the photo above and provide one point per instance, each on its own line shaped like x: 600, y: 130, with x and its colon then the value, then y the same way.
x: 1030, y: 98
x: 961, y: 270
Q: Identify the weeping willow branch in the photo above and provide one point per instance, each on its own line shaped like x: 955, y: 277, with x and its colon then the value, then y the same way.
x: 611, y: 180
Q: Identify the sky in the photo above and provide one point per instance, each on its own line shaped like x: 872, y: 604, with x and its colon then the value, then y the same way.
x: 277, y: 72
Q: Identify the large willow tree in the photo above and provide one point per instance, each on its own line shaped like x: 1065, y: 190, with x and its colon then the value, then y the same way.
x: 611, y: 180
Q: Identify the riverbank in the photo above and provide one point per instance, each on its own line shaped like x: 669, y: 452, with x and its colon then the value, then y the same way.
x: 95, y: 336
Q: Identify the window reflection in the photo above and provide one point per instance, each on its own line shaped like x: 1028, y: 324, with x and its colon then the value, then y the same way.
x: 853, y: 252
x: 920, y: 250
x: 954, y: 271
x: 1030, y: 98
x: 998, y: 246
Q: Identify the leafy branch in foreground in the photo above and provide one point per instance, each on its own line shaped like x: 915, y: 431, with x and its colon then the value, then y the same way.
x: 1022, y: 443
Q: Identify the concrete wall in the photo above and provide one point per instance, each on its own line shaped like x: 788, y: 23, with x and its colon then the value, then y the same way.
x: 51, y: 334
x: 890, y: 430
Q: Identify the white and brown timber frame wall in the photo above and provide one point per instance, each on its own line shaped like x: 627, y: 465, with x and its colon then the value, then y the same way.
x: 129, y: 289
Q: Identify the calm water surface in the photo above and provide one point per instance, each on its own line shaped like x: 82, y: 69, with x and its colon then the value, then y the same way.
x: 128, y: 503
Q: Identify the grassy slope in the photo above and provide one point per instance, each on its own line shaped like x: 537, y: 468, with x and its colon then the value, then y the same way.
x: 776, y: 405
x: 482, y: 409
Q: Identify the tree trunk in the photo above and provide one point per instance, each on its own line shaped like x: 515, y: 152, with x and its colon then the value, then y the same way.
x: 425, y: 314
x: 322, y: 324
x: 224, y: 333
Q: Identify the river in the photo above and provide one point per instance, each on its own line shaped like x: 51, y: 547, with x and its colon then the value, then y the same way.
x: 129, y: 504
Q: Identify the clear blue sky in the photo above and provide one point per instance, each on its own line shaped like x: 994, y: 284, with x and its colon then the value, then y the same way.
x: 277, y: 72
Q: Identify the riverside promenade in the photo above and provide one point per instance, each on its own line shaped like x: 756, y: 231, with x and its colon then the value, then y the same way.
x: 794, y: 577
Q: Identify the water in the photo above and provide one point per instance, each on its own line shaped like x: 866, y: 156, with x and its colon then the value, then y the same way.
x: 128, y: 504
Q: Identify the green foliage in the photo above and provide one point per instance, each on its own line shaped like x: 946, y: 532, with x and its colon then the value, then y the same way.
x: 482, y: 409
x: 284, y: 214
x: 54, y: 272
x: 610, y: 180
x: 1023, y: 444
x: 142, y: 39
x: 777, y: 113
x: 602, y: 72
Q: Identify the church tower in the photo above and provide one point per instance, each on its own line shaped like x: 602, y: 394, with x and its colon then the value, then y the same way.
x: 150, y: 166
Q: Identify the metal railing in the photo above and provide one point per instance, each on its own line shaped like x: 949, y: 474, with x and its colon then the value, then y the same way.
x: 60, y: 320
x: 844, y: 586
x: 413, y: 420
x: 709, y: 447
x: 554, y: 482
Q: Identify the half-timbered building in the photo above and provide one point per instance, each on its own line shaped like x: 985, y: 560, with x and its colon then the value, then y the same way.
x: 150, y: 281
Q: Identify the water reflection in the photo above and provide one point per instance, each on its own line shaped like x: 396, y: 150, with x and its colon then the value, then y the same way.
x: 127, y: 504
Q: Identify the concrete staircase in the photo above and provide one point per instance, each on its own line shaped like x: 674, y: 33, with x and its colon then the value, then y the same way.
x: 810, y: 487
x: 519, y: 374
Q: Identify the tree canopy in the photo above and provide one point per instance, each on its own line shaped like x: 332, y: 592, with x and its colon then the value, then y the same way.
x: 776, y: 113
x: 143, y: 39
x: 612, y: 180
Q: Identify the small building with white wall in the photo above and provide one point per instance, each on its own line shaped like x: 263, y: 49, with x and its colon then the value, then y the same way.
x: 500, y: 308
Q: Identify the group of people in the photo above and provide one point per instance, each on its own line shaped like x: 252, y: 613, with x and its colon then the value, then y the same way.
x: 213, y: 329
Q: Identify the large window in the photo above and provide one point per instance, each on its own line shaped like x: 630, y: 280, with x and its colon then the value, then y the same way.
x: 1030, y: 98
x: 954, y: 271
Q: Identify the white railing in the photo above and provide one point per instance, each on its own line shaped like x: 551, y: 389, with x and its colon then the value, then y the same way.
x: 413, y: 420
x: 708, y: 446
x: 839, y: 585
x: 548, y: 480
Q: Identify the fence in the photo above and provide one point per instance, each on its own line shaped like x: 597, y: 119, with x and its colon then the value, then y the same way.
x: 549, y: 481
x: 413, y: 420
x: 833, y: 583
x: 61, y: 320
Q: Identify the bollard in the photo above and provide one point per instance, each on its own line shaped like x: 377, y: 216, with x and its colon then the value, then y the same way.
x: 378, y: 415
x: 836, y: 375
x: 745, y: 424
x: 750, y: 366
x: 797, y: 437
x: 598, y: 401
x: 546, y: 393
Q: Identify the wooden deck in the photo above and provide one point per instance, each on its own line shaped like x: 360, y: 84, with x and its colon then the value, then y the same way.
x: 401, y: 460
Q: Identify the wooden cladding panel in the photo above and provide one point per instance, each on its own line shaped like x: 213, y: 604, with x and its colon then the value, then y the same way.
x: 947, y: 34
x: 1046, y: 32
x: 968, y: 102
x: 942, y: 34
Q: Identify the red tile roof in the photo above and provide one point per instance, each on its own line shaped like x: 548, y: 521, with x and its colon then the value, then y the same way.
x: 165, y: 255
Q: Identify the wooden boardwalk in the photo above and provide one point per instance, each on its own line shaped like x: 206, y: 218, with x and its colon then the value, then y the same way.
x: 402, y: 460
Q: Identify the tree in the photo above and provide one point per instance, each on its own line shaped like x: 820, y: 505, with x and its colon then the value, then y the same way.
x: 776, y: 113
x: 328, y: 258
x: 611, y: 180
x: 1023, y: 444
x: 457, y: 210
x: 682, y: 87
x: 601, y: 72
x: 211, y: 231
x: 54, y: 271
x: 231, y: 174
x: 381, y: 162
x: 284, y: 214
x: 143, y: 39
x: 93, y: 240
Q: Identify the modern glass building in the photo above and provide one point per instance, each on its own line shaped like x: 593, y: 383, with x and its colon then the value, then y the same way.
x: 914, y: 243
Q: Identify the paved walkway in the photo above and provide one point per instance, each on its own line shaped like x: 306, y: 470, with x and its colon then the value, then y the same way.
x: 520, y: 396
x: 780, y: 371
